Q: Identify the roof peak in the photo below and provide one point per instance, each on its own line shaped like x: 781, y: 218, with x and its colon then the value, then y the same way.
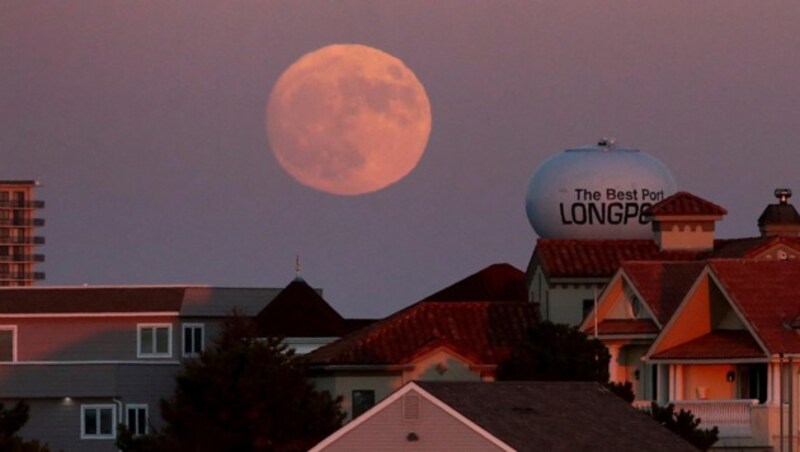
x: 684, y: 203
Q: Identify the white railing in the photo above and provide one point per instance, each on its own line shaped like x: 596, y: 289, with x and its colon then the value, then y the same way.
x: 732, y: 417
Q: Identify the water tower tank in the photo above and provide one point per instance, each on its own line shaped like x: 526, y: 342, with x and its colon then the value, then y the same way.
x: 596, y: 192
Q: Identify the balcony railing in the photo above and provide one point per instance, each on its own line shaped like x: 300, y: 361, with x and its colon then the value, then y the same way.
x: 732, y: 417
x: 21, y: 257
x: 17, y: 204
x: 34, y: 276
x: 8, y: 240
x: 21, y: 223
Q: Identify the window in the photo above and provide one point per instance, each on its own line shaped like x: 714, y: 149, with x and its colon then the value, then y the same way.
x: 363, y: 400
x: 98, y: 422
x: 8, y: 343
x: 588, y: 306
x: 136, y: 418
x: 193, y: 339
x: 154, y: 341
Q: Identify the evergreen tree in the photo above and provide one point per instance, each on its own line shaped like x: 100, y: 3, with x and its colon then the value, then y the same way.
x: 242, y: 394
x: 556, y: 352
x: 11, y: 421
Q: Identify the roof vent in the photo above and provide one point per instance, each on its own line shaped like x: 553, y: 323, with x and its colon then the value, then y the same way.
x: 783, y: 194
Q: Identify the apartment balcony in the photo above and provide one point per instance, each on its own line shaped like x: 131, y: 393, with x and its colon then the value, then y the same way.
x: 22, y: 240
x: 21, y: 223
x: 24, y: 204
x: 22, y: 258
x: 30, y: 276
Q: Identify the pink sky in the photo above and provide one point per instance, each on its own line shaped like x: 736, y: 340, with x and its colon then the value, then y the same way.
x: 145, y: 123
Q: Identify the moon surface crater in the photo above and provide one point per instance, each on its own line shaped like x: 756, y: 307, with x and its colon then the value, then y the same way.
x: 348, y: 119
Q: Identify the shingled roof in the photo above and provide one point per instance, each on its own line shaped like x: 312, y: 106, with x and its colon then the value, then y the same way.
x: 497, y: 282
x: 300, y: 311
x: 779, y: 214
x: 684, y: 203
x: 555, y: 416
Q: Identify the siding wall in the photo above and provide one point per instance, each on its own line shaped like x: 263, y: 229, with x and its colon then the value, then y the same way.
x: 436, y: 429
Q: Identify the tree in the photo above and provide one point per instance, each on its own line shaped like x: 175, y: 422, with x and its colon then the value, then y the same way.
x: 11, y: 421
x: 242, y: 394
x: 556, y: 352
x: 685, y: 425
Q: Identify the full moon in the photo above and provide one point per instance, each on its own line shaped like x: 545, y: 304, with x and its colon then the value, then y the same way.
x: 348, y: 119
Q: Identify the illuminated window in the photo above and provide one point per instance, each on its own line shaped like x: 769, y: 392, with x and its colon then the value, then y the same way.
x: 8, y: 343
x: 98, y: 422
x: 136, y: 418
x: 363, y: 400
x: 193, y: 336
x: 154, y: 341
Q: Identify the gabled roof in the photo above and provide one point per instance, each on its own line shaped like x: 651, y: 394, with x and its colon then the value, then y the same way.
x: 684, y: 203
x: 497, y: 282
x: 300, y: 311
x: 90, y: 300
x: 767, y: 293
x: 483, y: 331
x: 555, y: 416
x: 662, y: 285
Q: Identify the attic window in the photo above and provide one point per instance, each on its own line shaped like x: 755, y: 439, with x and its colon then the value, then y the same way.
x: 411, y: 407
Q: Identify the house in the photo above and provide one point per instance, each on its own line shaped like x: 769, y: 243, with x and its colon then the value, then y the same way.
x: 88, y: 358
x: 718, y: 335
x: 459, y: 333
x: 565, y: 276
x: 503, y: 416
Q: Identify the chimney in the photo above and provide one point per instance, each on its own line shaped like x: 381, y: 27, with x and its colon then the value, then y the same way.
x: 780, y: 218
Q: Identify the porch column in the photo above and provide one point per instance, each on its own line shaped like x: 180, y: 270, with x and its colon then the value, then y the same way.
x: 613, y: 364
x: 676, y: 388
x: 774, y: 383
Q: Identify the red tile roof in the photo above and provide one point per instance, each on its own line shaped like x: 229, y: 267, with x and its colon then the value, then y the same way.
x: 719, y: 344
x: 624, y: 326
x: 601, y: 258
x: 662, y: 285
x: 480, y: 331
x: 498, y: 282
x: 686, y: 204
x: 768, y: 295
x: 30, y: 300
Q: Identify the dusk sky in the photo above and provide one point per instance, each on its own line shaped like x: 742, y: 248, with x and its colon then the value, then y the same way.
x: 145, y: 123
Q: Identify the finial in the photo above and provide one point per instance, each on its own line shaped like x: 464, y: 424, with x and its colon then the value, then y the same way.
x: 297, y: 267
x: 783, y: 194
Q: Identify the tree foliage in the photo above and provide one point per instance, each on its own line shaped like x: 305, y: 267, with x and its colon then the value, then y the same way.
x: 242, y: 394
x: 686, y: 425
x: 11, y: 421
x: 556, y: 352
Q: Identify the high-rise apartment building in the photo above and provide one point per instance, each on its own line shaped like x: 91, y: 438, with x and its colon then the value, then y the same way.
x: 17, y: 233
